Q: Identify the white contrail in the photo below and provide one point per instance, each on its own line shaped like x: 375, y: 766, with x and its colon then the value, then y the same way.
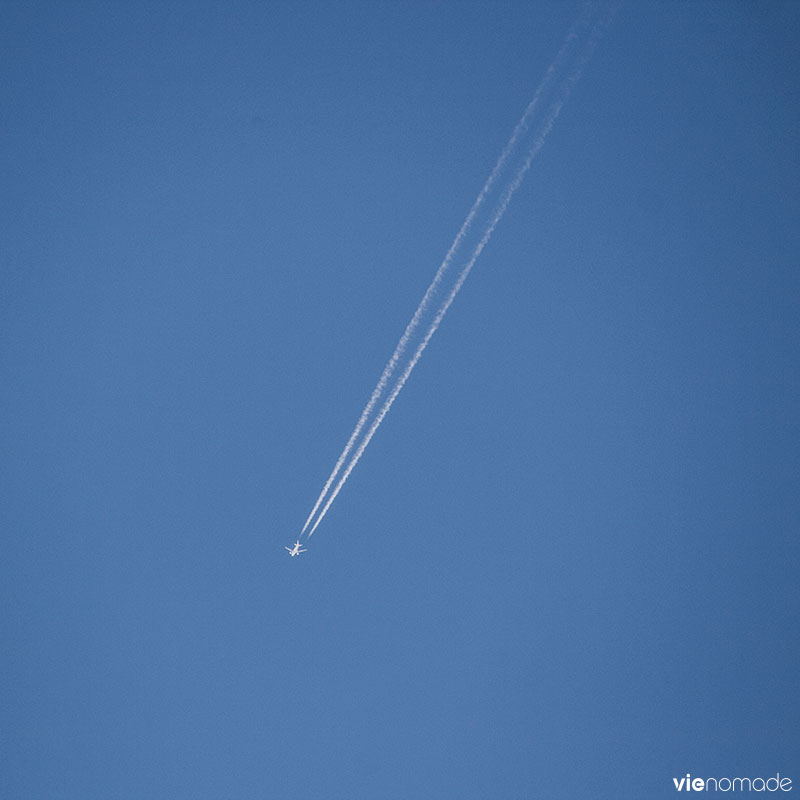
x: 552, y: 114
x: 554, y: 111
x: 424, y: 305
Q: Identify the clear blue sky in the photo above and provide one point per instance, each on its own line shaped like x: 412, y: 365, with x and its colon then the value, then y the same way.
x: 568, y: 564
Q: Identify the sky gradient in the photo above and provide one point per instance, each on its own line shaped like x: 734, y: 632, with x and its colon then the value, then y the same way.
x: 567, y: 564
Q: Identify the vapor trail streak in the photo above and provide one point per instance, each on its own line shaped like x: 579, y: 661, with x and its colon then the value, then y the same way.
x: 554, y: 110
x: 424, y: 305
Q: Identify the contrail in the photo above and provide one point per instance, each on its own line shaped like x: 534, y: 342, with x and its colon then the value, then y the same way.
x: 555, y: 109
x: 424, y: 305
x: 552, y: 114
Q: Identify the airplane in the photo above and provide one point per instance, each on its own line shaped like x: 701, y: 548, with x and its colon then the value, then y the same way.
x: 295, y: 550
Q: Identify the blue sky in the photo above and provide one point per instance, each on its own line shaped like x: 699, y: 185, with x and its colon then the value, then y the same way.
x: 567, y: 564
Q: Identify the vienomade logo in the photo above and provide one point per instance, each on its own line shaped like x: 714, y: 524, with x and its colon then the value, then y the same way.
x: 690, y: 784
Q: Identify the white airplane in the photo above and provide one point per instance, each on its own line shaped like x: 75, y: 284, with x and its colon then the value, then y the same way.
x: 295, y: 550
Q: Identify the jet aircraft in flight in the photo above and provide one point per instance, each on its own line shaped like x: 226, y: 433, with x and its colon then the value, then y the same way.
x: 295, y: 549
